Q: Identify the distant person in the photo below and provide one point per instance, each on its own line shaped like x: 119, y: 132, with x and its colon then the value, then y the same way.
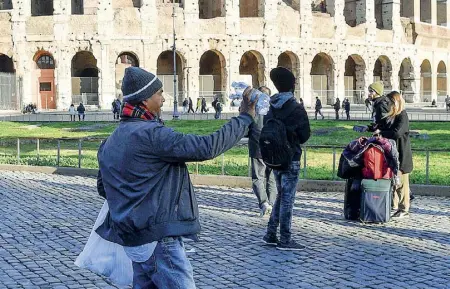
x: 199, y: 104
x: 185, y: 105
x: 204, y: 109
x: 219, y: 108
x: 337, y: 107
x: 433, y: 103
x: 447, y: 103
x: 318, y: 108
x: 300, y: 101
x: 115, y: 107
x: 191, y: 106
x: 396, y: 128
x: 263, y: 179
x: 81, y: 109
x: 72, y: 112
x: 347, y: 108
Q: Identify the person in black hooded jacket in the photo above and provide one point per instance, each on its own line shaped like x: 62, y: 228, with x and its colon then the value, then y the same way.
x: 396, y: 127
x: 286, y: 109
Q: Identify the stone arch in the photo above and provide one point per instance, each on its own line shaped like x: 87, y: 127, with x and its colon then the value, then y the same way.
x: 251, y: 8
x: 6, y: 64
x: 425, y: 11
x: 165, y: 72
x: 213, y: 79
x: 124, y: 59
x: 41, y: 8
x: 383, y: 14
x: 425, y: 81
x: 44, y: 60
x: 441, y: 81
x: 211, y: 9
x: 382, y: 71
x: 44, y: 75
x: 85, y: 76
x: 407, y: 80
x: 252, y: 63
x: 322, y: 77
x: 354, y: 78
x: 289, y: 60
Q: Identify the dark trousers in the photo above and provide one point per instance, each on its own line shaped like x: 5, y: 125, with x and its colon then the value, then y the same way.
x: 191, y: 109
x: 284, y: 204
x: 347, y: 112
x: 116, y: 115
x: 72, y: 117
x: 337, y: 114
x: 79, y: 116
x: 318, y: 111
x: 263, y: 182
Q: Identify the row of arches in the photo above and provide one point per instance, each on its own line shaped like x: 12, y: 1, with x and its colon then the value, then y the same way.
x: 214, y: 79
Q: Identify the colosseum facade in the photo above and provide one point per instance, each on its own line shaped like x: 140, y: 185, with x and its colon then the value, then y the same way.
x: 57, y: 52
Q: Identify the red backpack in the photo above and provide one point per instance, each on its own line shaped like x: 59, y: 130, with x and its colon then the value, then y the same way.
x: 375, y: 165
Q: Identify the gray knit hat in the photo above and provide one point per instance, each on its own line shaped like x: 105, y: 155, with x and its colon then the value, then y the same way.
x: 139, y: 85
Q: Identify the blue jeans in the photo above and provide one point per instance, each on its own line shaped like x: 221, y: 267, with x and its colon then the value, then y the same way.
x: 282, y: 209
x: 167, y: 268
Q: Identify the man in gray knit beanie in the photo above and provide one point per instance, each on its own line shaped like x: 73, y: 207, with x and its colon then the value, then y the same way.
x: 145, y: 180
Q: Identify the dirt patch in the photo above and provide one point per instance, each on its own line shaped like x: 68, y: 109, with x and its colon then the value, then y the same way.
x: 30, y: 127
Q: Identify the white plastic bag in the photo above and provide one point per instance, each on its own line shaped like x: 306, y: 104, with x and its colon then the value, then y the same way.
x: 104, y: 257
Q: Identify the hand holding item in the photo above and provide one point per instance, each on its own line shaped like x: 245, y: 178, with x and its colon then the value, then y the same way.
x: 247, y: 105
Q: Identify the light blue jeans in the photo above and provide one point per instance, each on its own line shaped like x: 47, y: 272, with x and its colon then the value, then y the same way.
x: 167, y: 268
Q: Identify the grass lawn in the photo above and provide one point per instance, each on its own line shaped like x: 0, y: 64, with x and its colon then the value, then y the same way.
x: 319, y: 161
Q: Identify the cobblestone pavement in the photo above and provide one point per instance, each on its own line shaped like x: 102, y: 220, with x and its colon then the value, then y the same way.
x: 46, y: 219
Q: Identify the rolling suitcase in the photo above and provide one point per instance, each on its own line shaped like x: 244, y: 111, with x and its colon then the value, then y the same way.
x: 375, y: 201
x: 352, y: 199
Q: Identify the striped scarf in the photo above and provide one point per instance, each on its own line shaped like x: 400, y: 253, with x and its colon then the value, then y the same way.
x: 139, y: 111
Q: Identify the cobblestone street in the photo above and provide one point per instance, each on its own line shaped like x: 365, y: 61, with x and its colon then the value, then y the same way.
x: 46, y: 220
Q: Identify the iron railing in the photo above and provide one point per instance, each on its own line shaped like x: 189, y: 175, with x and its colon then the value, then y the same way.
x: 318, y: 161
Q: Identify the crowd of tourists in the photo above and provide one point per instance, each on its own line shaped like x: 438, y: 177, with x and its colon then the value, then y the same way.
x: 146, y: 185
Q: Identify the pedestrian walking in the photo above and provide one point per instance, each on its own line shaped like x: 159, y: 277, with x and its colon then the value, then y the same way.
x: 191, y: 106
x: 337, y: 107
x: 347, y: 108
x: 263, y: 179
x: 294, y: 119
x: 204, y: 109
x: 219, y: 108
x: 396, y: 128
x: 318, y: 108
x: 146, y: 182
x: 185, y: 105
x: 115, y: 108
x: 199, y: 104
x: 300, y: 101
x: 72, y: 112
x: 81, y: 111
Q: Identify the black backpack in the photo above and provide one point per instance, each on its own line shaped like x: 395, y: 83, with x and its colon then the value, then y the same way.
x: 276, y: 150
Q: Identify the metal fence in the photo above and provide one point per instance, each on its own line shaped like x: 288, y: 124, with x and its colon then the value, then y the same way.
x: 318, y: 162
x: 9, y: 91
